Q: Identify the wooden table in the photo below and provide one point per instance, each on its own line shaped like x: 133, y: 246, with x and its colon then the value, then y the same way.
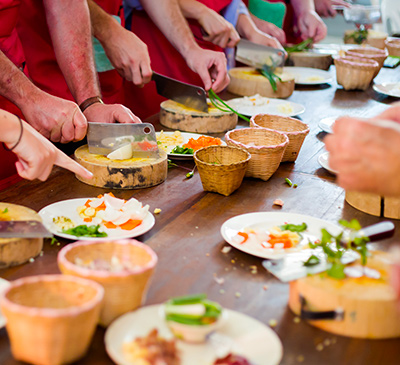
x: 188, y: 242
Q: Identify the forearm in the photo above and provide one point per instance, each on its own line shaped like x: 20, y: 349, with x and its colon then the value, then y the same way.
x: 302, y: 6
x: 169, y: 19
x: 245, y: 26
x: 73, y: 45
x: 10, y: 127
x: 192, y: 9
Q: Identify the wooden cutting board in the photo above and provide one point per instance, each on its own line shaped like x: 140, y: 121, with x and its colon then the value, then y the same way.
x: 133, y: 173
x: 177, y: 116
x: 16, y: 251
x: 247, y: 81
x: 310, y: 59
x: 370, y: 306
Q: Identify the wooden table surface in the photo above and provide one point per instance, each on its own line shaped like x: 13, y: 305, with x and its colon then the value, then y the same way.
x: 188, y: 242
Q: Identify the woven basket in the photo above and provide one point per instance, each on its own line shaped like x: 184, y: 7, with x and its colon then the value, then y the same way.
x: 370, y: 53
x: 393, y: 46
x: 51, y: 319
x: 265, y: 146
x: 293, y: 128
x: 125, y: 290
x: 221, y: 168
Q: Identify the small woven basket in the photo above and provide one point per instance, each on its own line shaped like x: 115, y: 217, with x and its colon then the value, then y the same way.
x: 293, y: 128
x: 124, y: 290
x: 393, y: 46
x: 265, y: 146
x: 51, y: 319
x: 221, y: 168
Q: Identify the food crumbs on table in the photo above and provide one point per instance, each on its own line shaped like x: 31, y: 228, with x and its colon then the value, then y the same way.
x: 58, y: 243
x: 41, y: 253
x: 192, y: 234
x: 295, y: 186
x: 238, y: 295
x: 226, y: 269
x: 333, y: 341
x: 196, y: 227
x: 296, y: 320
x: 226, y: 249
x: 207, y: 254
x: 320, y: 347
x: 218, y: 280
x: 265, y: 287
x: 234, y: 268
x: 300, y: 358
x: 327, y: 342
x: 31, y: 259
x: 233, y: 261
x: 272, y: 323
x: 222, y: 291
x: 278, y: 202
x: 157, y: 211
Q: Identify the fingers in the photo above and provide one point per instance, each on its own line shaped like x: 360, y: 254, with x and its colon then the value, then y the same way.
x: 205, y: 76
x: 220, y: 76
x: 80, y: 125
x: 146, y: 71
x: 65, y: 162
x: 31, y: 171
x: 122, y: 114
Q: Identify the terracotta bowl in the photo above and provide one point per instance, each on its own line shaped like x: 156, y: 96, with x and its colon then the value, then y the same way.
x: 51, y: 319
x: 125, y: 288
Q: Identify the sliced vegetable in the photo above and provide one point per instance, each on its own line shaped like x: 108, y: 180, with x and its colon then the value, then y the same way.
x: 294, y: 227
x: 221, y: 105
x: 182, y: 150
x: 312, y: 261
x: 289, y: 182
x: 300, y: 46
x: 85, y: 231
x: 202, y: 141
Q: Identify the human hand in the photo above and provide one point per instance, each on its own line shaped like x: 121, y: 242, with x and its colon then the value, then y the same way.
x: 392, y: 113
x: 110, y: 113
x: 211, y: 67
x: 366, y: 155
x: 37, y: 155
x: 129, y: 55
x: 219, y: 31
x: 265, y: 40
x: 270, y: 29
x: 311, y: 26
x: 325, y: 7
x: 56, y: 119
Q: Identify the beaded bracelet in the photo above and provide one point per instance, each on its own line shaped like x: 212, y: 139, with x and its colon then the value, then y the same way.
x: 19, y: 138
x: 90, y: 101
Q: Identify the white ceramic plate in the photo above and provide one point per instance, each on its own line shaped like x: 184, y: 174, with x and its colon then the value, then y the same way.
x: 326, y: 124
x: 309, y: 76
x: 4, y: 284
x: 244, y: 335
x: 323, y: 160
x: 68, y: 208
x: 389, y: 89
x: 271, y: 106
x: 186, y: 137
x: 334, y: 49
x: 266, y: 220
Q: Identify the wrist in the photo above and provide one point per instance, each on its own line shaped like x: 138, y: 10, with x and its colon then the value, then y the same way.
x: 12, y: 131
x: 89, y: 102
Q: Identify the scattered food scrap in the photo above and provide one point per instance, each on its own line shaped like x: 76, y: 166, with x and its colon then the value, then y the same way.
x: 157, y: 211
x: 278, y: 202
x: 238, y: 295
x: 272, y: 323
x: 226, y: 249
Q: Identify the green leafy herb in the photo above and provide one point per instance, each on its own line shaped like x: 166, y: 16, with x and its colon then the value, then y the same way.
x: 354, y: 224
x: 188, y: 299
x: 53, y: 241
x: 300, y: 46
x: 359, y: 36
x: 221, y: 105
x: 294, y: 227
x: 312, y: 261
x: 190, y: 174
x: 269, y: 73
x: 183, y: 150
x: 336, y: 271
x: 289, y: 182
x: 85, y: 231
x: 4, y: 211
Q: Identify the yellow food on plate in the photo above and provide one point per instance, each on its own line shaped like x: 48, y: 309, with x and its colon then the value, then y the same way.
x: 165, y: 140
x: 63, y: 222
x: 285, y: 109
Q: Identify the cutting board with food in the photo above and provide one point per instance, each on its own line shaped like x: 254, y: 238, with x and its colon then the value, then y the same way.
x: 248, y: 81
x: 15, y: 251
x: 122, y: 173
x: 177, y: 116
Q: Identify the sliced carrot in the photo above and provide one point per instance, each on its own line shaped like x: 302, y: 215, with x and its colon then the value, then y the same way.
x: 87, y: 203
x: 244, y: 235
x: 100, y: 196
x: 89, y: 219
x: 102, y: 206
x: 109, y: 225
x: 131, y: 224
x: 111, y: 194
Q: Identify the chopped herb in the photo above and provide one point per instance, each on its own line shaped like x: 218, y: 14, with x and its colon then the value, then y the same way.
x: 53, y: 241
x: 359, y: 36
x: 354, y: 224
x: 182, y: 150
x: 312, y: 261
x: 4, y: 211
x: 294, y: 227
x: 85, y: 231
x: 289, y: 182
x: 300, y: 46
x: 269, y: 73
x: 221, y: 105
x: 191, y: 173
x: 295, y: 186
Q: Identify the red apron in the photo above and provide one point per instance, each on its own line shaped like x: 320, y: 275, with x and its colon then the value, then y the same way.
x: 165, y: 59
x: 11, y: 47
x: 41, y: 61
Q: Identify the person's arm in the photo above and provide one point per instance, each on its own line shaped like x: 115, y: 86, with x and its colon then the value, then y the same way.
x: 36, y: 155
x: 72, y: 45
x: 308, y: 21
x: 210, y: 65
x: 126, y: 52
x: 325, y: 7
x: 57, y: 119
x: 218, y: 30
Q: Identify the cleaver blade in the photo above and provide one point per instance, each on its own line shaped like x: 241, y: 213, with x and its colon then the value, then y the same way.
x: 23, y: 229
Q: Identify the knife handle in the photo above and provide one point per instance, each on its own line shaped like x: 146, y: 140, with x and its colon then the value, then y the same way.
x: 379, y: 231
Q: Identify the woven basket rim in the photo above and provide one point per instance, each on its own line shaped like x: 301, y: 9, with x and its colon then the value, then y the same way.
x: 222, y: 165
x: 292, y: 133
x: 53, y: 312
x: 61, y: 258
x: 368, y: 52
x: 257, y: 148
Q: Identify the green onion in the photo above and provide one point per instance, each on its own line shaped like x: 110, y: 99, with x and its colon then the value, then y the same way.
x: 188, y: 299
x: 294, y: 227
x: 216, y: 101
x: 312, y: 261
x: 358, y: 36
x: 289, y: 182
x: 85, y: 231
x: 300, y: 46
x: 4, y: 211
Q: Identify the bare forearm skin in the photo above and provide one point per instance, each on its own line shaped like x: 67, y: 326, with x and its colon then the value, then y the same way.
x: 71, y: 36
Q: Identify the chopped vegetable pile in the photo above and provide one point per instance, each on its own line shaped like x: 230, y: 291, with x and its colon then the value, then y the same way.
x: 202, y: 141
x: 85, y: 231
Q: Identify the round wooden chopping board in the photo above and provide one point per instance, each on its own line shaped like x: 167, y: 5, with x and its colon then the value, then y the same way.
x: 247, y: 81
x: 177, y: 116
x: 16, y: 251
x: 132, y: 173
x: 310, y: 59
x: 369, y: 305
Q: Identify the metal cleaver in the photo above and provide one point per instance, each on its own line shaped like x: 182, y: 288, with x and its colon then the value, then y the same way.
x: 257, y: 56
x: 104, y: 138
x: 23, y: 229
x: 192, y: 96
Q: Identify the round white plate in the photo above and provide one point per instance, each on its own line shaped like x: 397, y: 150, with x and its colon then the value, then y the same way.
x: 4, y: 284
x: 309, y: 76
x: 266, y: 220
x: 323, y: 160
x: 242, y: 334
x: 186, y: 137
x: 271, y: 106
x: 389, y: 89
x: 327, y: 123
x: 68, y: 208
